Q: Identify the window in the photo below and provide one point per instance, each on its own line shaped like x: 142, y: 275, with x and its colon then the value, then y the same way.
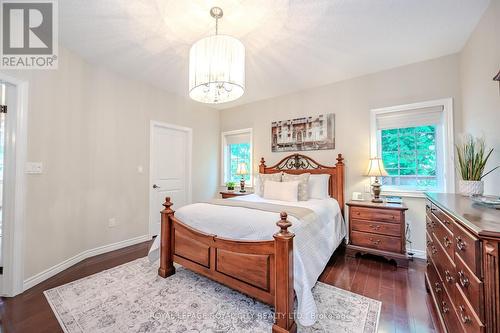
x: 415, y: 143
x: 236, y: 149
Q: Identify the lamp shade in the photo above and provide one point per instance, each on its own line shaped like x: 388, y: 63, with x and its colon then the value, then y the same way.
x: 217, y: 69
x: 376, y: 168
x: 242, y: 169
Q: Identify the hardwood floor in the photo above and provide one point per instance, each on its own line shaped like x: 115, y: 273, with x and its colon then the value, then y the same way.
x: 405, y: 303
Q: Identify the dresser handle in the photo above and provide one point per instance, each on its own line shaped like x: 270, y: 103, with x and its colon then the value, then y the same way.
x: 448, y: 276
x: 437, y: 287
x: 375, y: 226
x: 465, y: 319
x: 464, y: 281
x: 460, y: 243
x: 375, y: 242
x: 446, y: 241
x: 445, y: 307
x: 429, y: 243
x: 433, y: 250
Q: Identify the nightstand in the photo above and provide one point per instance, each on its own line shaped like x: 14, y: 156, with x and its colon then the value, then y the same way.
x: 231, y: 194
x: 379, y: 229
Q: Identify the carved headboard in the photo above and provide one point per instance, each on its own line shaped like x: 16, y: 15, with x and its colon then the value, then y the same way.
x: 298, y: 163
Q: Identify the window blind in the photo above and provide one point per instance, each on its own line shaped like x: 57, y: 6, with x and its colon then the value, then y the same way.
x: 233, y: 139
x: 410, y: 118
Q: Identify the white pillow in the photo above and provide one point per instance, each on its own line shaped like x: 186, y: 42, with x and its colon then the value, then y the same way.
x: 287, y: 191
x: 303, y: 184
x: 318, y: 186
x: 261, y: 178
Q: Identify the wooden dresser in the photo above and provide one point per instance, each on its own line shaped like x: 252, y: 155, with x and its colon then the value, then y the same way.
x: 377, y: 228
x: 463, y: 263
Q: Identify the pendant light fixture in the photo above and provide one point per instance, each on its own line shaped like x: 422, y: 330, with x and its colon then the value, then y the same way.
x: 217, y: 67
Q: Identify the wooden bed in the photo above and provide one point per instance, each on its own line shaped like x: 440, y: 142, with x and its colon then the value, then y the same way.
x: 260, y: 269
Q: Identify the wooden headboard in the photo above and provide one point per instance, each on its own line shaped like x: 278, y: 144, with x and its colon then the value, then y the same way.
x: 298, y: 163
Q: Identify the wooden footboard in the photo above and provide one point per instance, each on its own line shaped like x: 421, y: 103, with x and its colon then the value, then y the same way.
x: 260, y: 269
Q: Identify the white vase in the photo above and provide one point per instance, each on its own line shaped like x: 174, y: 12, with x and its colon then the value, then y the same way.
x: 471, y: 187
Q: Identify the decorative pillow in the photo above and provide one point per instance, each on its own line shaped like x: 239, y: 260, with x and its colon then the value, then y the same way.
x: 303, y: 184
x: 318, y: 186
x: 262, y: 178
x: 284, y: 191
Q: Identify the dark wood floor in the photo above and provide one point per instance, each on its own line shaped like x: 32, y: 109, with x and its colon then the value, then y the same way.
x: 405, y: 304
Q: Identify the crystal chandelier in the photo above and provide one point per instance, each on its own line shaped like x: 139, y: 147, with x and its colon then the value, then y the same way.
x: 217, y: 67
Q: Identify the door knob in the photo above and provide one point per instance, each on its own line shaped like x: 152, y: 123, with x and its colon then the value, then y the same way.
x: 155, y: 186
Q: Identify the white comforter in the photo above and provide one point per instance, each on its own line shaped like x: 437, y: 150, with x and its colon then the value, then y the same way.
x: 313, y: 243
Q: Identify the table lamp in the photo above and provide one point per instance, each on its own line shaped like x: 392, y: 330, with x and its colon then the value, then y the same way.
x: 376, y: 169
x: 242, y: 171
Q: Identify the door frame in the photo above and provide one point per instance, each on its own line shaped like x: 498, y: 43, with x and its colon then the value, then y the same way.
x: 15, y: 193
x: 189, y: 132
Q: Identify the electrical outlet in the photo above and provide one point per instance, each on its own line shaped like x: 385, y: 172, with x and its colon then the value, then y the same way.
x: 33, y: 168
x: 112, y: 222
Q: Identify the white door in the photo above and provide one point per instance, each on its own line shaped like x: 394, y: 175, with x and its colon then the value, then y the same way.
x: 170, y: 169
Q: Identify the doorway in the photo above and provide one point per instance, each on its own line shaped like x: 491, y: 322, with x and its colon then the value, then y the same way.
x: 169, y: 170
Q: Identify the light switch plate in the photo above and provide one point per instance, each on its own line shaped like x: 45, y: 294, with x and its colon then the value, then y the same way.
x: 33, y: 168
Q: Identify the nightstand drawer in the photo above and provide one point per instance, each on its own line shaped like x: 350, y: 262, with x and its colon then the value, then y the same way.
x: 374, y: 241
x: 390, y: 229
x: 374, y: 214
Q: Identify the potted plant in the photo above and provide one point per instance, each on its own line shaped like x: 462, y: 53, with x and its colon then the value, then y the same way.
x: 230, y: 186
x: 472, y: 157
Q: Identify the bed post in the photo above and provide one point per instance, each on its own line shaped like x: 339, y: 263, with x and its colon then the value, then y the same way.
x: 284, y: 295
x: 166, y: 252
x: 262, y: 165
x: 339, y: 166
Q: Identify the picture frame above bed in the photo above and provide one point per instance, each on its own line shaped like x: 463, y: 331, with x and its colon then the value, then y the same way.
x: 304, y: 133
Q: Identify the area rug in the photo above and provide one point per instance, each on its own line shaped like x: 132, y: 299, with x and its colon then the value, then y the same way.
x: 133, y: 298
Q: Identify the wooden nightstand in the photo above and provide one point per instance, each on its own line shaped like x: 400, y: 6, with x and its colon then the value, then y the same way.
x: 378, y: 228
x: 231, y: 194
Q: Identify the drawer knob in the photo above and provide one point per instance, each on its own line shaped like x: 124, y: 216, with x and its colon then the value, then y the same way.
x: 437, y: 287
x: 448, y: 276
x: 465, y: 319
x: 375, y: 242
x: 434, y: 250
x: 460, y: 243
x: 464, y: 281
x: 446, y: 241
x: 375, y: 226
x: 445, y: 307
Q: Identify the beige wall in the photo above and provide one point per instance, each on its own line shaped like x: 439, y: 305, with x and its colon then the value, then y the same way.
x: 90, y: 128
x: 351, y: 102
x: 479, y: 62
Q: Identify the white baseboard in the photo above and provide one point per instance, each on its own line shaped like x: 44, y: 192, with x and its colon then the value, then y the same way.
x: 44, y: 275
x: 418, y: 253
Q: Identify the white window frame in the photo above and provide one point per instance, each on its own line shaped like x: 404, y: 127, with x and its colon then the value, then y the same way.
x: 446, y: 167
x: 224, y: 157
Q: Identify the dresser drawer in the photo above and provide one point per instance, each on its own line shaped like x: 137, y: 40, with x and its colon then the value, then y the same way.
x: 445, y: 267
x: 435, y: 283
x: 373, y: 214
x: 467, y: 316
x: 471, y: 286
x: 431, y: 245
x: 448, y: 311
x: 444, y: 236
x: 468, y: 248
x: 390, y: 229
x: 443, y: 217
x: 374, y: 241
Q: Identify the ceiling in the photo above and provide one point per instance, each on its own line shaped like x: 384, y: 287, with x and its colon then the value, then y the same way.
x: 291, y: 45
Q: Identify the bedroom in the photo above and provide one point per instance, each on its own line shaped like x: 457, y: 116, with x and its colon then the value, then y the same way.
x: 87, y: 133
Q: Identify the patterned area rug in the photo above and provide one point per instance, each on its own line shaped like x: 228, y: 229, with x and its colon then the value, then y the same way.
x: 133, y: 298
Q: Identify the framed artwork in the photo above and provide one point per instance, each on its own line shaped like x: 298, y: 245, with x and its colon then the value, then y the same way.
x: 306, y: 133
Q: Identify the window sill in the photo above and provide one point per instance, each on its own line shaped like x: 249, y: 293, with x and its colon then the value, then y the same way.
x: 404, y: 193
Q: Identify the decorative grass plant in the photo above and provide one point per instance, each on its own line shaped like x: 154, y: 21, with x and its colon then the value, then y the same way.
x: 472, y: 157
